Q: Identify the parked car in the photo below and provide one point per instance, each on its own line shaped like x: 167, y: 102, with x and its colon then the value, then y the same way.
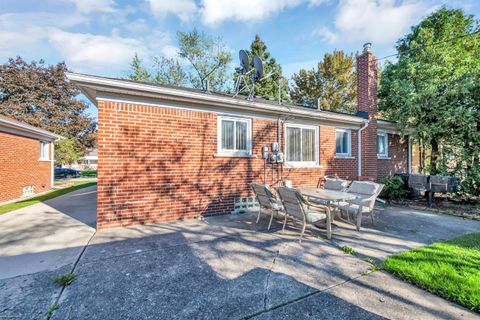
x: 66, y: 173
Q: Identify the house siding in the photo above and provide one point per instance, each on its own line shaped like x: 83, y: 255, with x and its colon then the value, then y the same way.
x: 20, y: 166
x: 159, y: 164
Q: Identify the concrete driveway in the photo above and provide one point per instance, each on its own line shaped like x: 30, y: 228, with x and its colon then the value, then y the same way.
x: 47, y: 236
x: 228, y: 267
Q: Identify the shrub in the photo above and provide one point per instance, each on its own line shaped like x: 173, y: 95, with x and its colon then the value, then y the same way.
x: 393, y: 188
x: 88, y: 173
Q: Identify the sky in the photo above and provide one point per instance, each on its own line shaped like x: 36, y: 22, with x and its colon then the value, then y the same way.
x: 100, y: 37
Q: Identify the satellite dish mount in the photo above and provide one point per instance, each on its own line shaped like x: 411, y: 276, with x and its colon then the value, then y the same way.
x: 245, y: 71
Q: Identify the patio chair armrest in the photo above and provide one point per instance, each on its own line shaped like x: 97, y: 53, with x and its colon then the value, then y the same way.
x: 319, y: 206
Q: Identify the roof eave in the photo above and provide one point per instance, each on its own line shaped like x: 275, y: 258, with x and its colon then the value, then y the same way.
x: 27, y: 130
x: 90, y: 84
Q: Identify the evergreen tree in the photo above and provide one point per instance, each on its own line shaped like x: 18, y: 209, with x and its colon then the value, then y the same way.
x: 267, y: 88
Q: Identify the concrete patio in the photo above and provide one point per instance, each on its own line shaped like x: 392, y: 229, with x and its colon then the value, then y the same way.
x: 228, y: 267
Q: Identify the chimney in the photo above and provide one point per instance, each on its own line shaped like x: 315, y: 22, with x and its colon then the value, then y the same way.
x: 367, y: 107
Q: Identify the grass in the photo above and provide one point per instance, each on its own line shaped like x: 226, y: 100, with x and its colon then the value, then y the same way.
x: 51, y: 310
x: 348, y: 250
x: 47, y: 196
x: 65, y: 279
x: 449, y: 269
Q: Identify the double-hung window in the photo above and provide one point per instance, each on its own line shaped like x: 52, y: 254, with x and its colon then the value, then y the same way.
x: 234, y: 136
x: 382, y: 144
x: 44, y: 151
x: 301, y: 145
x: 343, y: 142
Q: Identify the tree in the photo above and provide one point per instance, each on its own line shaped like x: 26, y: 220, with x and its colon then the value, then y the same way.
x: 66, y: 151
x: 334, y: 82
x: 137, y: 71
x: 433, y: 92
x: 208, y: 58
x: 164, y: 71
x: 41, y: 96
x: 267, y: 88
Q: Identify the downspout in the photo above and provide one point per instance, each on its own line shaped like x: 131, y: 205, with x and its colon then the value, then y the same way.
x: 409, y: 154
x: 279, y: 165
x: 360, y: 147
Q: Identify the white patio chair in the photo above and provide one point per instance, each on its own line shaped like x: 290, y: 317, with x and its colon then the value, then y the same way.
x: 367, y: 193
x: 267, y: 201
x: 336, y: 184
x: 299, y: 209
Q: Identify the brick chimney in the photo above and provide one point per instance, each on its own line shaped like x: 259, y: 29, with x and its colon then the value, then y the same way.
x: 367, y: 106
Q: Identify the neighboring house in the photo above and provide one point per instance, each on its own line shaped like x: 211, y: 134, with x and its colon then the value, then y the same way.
x: 26, y: 159
x: 90, y: 161
x: 169, y: 153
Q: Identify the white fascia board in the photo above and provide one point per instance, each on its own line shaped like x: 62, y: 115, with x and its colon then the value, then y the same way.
x: 16, y: 128
x: 106, y: 85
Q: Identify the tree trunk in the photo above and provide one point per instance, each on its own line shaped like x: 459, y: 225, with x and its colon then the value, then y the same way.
x: 421, y: 155
x: 434, y: 158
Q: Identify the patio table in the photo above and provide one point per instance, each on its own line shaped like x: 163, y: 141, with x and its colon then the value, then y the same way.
x: 328, y: 196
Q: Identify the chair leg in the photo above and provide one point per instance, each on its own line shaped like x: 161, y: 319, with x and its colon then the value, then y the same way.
x: 329, y: 227
x: 271, y: 219
x: 259, y: 212
x: 303, y: 231
x: 284, y: 223
x: 359, y: 218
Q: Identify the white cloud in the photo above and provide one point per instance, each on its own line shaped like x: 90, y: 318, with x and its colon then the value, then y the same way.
x: 20, y: 21
x: 326, y: 34
x: 379, y: 21
x: 89, y: 51
x: 184, y: 9
x: 218, y: 11
x: 88, y: 6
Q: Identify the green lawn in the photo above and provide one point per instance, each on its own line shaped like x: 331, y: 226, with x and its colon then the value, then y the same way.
x: 52, y: 194
x: 449, y: 269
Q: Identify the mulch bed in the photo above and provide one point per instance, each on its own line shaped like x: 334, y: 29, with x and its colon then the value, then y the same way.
x: 445, y: 205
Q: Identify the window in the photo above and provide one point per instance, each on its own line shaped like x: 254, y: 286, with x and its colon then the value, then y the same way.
x: 301, y: 144
x: 343, y: 142
x: 382, y: 144
x: 44, y: 151
x: 234, y: 136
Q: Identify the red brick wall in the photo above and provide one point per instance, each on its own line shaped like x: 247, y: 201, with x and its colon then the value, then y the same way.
x: 398, y: 157
x: 367, y: 102
x: 157, y: 164
x: 19, y: 166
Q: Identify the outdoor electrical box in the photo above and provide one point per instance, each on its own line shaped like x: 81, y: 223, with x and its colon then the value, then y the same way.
x: 275, y: 147
x: 280, y: 157
x: 264, y: 152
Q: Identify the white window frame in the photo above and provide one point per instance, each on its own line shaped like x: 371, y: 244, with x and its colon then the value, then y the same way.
x: 44, y: 151
x: 300, y: 164
x: 385, y: 134
x: 349, y: 143
x: 226, y: 152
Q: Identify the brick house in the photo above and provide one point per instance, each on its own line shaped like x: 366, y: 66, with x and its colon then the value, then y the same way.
x: 168, y: 153
x: 26, y: 159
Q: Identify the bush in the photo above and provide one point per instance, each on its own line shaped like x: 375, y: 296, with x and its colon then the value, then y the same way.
x: 393, y: 188
x: 88, y: 173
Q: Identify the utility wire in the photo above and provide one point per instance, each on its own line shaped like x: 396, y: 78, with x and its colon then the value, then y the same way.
x: 414, y: 49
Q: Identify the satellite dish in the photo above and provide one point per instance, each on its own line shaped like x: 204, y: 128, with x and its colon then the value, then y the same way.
x: 244, y: 61
x: 258, y: 66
